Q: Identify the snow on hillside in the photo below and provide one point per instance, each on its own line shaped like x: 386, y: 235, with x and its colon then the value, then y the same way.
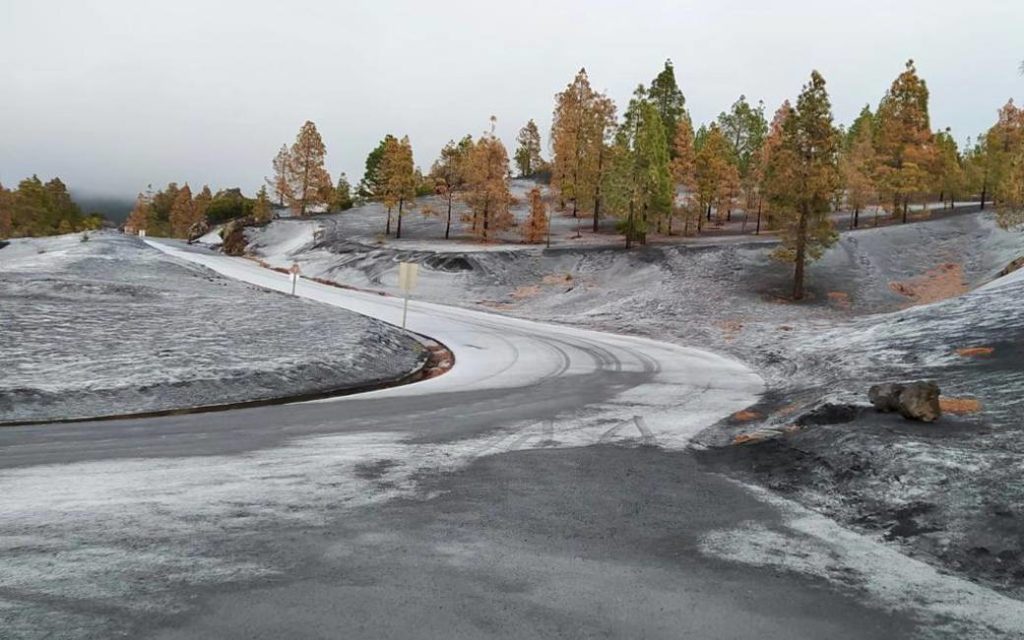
x: 111, y: 326
x: 890, y: 303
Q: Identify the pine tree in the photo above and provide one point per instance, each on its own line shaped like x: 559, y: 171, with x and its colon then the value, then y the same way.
x: 535, y: 228
x: 487, y: 194
x: 201, y: 204
x: 803, y: 178
x: 279, y: 183
x: 261, y: 211
x: 371, y: 186
x: 1005, y: 155
x: 601, y: 125
x: 903, y: 139
x: 449, y: 174
x: 342, y: 194
x: 6, y: 212
x: 639, y: 182
x: 684, y: 176
x: 745, y: 128
x: 863, y: 125
x: 858, y: 170
x: 182, y: 214
x: 715, y: 174
x: 949, y: 171
x: 309, y: 184
x: 528, y: 159
x: 399, y: 178
x: 666, y: 97
x: 582, y: 124
x: 138, y: 219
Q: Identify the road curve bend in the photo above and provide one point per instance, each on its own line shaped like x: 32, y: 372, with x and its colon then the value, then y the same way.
x: 674, y: 391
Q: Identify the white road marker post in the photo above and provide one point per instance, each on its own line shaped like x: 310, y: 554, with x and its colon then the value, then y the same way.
x: 407, y: 274
x: 294, y: 271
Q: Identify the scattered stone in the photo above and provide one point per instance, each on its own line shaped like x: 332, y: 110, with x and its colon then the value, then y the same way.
x: 829, y: 413
x: 1013, y: 266
x: 914, y: 400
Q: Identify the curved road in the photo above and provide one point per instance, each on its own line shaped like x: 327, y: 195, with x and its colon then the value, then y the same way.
x: 385, y: 514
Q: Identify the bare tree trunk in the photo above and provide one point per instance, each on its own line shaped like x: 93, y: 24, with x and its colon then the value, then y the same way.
x: 629, y: 227
x: 984, y: 192
x: 757, y: 231
x: 597, y: 188
x: 398, y: 231
x: 906, y: 206
x: 448, y: 225
x: 801, y: 255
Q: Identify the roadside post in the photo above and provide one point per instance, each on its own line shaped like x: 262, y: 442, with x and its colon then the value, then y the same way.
x: 294, y: 271
x: 407, y: 274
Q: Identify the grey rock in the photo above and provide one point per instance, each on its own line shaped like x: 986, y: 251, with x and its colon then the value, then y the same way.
x: 913, y: 400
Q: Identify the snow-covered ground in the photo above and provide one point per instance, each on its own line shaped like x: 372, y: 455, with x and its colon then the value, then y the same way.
x: 112, y: 326
x: 92, y: 536
x: 947, y: 492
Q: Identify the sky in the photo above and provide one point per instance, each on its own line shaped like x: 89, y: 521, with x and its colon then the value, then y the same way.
x: 114, y: 95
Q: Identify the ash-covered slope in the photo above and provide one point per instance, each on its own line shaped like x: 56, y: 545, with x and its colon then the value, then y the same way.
x: 112, y: 326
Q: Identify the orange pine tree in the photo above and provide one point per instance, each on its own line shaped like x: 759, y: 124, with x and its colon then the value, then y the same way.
x: 487, y: 194
x: 535, y: 228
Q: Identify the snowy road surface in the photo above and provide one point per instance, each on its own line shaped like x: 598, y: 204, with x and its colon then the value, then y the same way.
x: 386, y: 514
x: 499, y: 352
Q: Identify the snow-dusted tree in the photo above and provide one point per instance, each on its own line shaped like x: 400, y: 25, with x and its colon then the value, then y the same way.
x: 449, y: 174
x: 309, y: 184
x: 487, y: 194
x: 803, y: 179
x: 535, y: 227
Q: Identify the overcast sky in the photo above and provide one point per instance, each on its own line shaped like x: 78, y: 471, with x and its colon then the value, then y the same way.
x: 113, y: 95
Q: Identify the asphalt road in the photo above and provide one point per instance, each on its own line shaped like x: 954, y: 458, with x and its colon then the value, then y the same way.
x: 540, y: 489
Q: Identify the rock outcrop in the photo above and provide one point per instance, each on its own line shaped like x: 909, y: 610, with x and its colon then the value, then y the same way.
x: 913, y: 400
